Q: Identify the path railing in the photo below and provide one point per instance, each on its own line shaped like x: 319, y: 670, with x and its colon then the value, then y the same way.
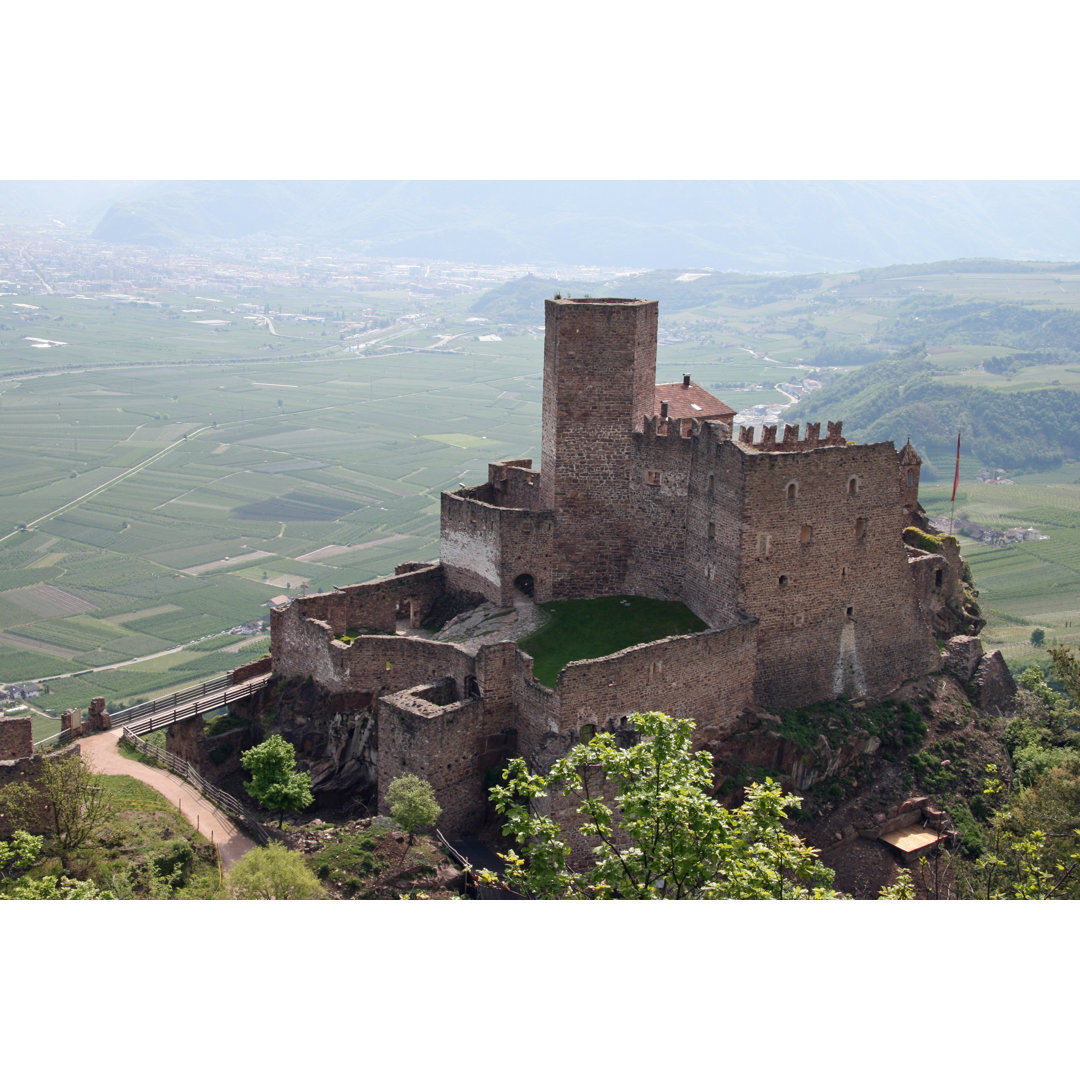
x: 222, y: 799
x: 185, y: 704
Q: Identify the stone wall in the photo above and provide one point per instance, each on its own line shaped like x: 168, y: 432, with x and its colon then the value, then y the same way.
x: 824, y: 569
x: 374, y: 606
x: 16, y: 738
x: 515, y: 484
x: 485, y: 548
x: 713, y: 546
x: 450, y: 743
x: 262, y: 666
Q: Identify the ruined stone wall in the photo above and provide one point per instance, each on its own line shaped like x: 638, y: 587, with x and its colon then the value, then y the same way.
x: 939, y: 587
x: 515, y: 484
x: 372, y: 606
x: 452, y: 746
x: 708, y: 677
x: 16, y: 738
x: 262, y: 666
x: 372, y: 664
x: 599, y: 372
x: 470, y: 541
x: 823, y: 568
x: 485, y: 548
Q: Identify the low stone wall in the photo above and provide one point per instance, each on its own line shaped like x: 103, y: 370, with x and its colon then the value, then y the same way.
x: 262, y: 666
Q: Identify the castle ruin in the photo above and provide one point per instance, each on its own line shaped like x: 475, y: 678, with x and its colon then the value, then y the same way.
x: 788, y: 546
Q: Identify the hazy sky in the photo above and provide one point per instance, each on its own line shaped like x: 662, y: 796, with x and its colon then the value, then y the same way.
x: 834, y: 89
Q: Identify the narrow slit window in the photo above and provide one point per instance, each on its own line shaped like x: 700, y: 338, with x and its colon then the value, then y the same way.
x: 860, y: 528
x: 853, y: 485
x: 712, y: 530
x: 806, y: 534
x: 792, y: 491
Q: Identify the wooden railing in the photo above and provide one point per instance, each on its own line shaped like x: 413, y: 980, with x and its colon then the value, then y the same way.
x: 183, y: 705
x: 221, y: 799
x: 157, y: 714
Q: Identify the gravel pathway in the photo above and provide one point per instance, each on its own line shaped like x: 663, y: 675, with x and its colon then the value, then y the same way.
x: 102, y: 753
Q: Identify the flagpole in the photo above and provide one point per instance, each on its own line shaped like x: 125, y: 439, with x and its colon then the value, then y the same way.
x: 956, y: 481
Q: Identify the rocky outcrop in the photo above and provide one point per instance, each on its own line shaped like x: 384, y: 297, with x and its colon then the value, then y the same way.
x: 986, y: 678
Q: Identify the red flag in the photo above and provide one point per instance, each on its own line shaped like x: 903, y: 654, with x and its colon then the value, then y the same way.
x: 956, y: 478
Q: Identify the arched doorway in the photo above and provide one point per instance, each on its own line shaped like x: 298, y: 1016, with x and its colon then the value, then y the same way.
x: 524, y: 584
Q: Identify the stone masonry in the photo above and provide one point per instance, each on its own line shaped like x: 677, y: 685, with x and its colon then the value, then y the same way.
x: 789, y: 548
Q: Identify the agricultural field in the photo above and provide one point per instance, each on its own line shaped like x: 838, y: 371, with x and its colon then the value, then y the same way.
x: 171, y: 462
x: 1024, y: 586
x: 147, y: 506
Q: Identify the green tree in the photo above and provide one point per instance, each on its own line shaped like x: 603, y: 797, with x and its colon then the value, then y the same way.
x: 412, y: 804
x: 275, y: 783
x: 1066, y: 667
x: 51, y: 887
x: 658, y: 832
x: 1038, y: 637
x: 75, y: 801
x: 273, y: 873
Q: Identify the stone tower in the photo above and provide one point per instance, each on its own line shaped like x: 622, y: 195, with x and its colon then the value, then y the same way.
x: 599, y: 378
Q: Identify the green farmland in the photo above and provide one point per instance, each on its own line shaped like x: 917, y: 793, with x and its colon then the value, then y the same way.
x: 168, y: 468
x: 144, y: 506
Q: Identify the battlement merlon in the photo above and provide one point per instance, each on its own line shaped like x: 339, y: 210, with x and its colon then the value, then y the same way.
x: 790, y: 441
x: 658, y: 427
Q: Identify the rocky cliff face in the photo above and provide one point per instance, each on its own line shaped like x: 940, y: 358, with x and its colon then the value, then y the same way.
x: 334, y: 736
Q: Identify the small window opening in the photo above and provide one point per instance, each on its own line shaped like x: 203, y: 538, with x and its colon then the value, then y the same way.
x: 860, y: 528
x: 712, y: 530
x: 806, y: 534
x: 653, y: 478
x: 587, y: 732
x: 783, y: 580
x: 712, y: 482
x: 843, y: 573
x: 851, y: 613
x: 792, y: 490
x: 472, y: 516
x: 853, y: 485
x: 763, y: 546
x: 937, y: 578
x: 911, y: 478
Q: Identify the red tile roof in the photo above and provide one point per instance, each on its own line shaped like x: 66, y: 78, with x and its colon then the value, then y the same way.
x: 691, y: 401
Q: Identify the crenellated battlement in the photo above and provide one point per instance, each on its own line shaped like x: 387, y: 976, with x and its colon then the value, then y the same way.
x: 790, y: 441
x: 660, y: 427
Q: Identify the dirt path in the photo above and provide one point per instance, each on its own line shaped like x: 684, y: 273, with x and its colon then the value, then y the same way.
x: 102, y: 753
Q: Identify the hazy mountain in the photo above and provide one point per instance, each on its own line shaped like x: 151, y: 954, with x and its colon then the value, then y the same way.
x: 71, y: 201
x: 778, y: 225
